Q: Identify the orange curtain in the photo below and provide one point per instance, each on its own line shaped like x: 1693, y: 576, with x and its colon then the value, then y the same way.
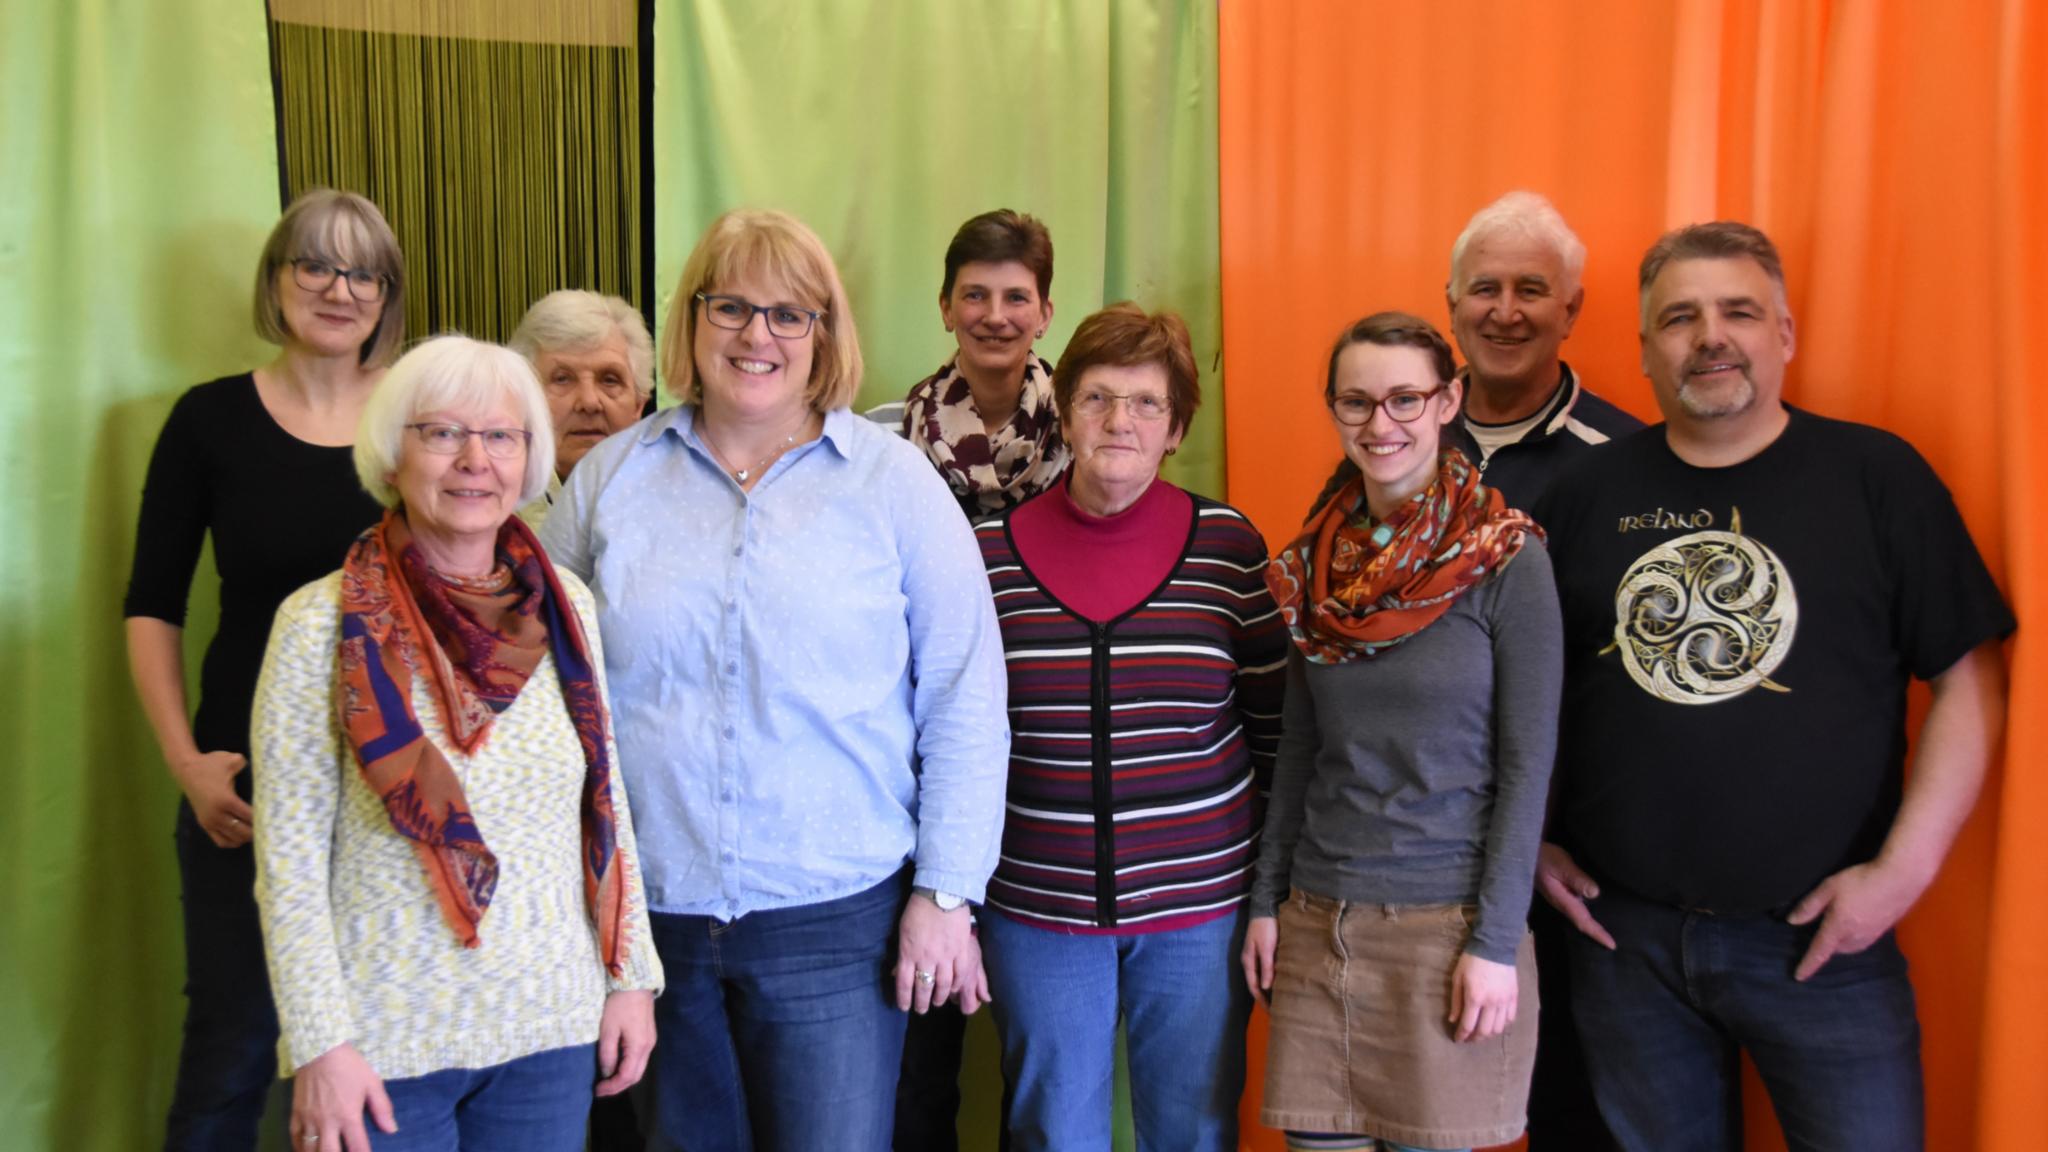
x: 1897, y: 150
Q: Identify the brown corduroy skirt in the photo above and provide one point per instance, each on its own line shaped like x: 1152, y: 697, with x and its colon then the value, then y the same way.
x: 1359, y: 1042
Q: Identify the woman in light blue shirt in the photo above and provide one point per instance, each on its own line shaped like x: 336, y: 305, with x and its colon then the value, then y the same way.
x: 809, y: 698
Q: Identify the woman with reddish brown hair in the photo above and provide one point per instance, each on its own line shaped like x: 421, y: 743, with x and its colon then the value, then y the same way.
x: 1143, y: 654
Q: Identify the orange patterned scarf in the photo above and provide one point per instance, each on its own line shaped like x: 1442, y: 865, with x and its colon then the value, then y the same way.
x: 477, y: 643
x: 1349, y: 587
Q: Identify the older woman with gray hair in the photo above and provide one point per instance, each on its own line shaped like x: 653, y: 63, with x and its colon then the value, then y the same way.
x: 446, y: 868
x: 595, y: 361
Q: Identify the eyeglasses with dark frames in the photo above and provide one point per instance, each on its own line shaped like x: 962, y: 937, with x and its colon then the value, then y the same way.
x: 316, y: 275
x: 1403, y: 405
x: 785, y: 321
x: 448, y: 439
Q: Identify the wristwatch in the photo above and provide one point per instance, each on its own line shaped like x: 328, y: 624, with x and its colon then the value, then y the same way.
x: 946, y: 901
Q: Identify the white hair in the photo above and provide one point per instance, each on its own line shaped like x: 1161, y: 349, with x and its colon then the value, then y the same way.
x: 1524, y: 214
x: 573, y: 320
x: 451, y: 371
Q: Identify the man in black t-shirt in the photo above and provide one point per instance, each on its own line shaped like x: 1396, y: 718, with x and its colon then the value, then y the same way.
x: 1747, y: 590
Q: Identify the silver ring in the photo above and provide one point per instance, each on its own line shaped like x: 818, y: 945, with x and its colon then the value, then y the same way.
x: 310, y: 1138
x: 924, y: 977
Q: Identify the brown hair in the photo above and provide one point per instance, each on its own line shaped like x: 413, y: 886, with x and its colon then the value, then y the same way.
x: 1717, y: 240
x: 1124, y: 335
x: 999, y: 237
x: 757, y: 243
x: 339, y: 228
x: 1393, y: 330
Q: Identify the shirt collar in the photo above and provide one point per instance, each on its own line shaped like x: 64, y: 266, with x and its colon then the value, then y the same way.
x: 839, y: 427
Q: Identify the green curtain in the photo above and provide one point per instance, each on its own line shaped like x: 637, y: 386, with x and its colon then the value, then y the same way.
x: 886, y: 123
x: 141, y: 178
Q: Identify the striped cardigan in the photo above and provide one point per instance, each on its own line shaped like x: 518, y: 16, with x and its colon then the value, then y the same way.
x: 1141, y: 748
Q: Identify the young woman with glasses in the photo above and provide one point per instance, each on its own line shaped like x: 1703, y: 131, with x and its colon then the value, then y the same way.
x: 1392, y: 888
x: 260, y: 463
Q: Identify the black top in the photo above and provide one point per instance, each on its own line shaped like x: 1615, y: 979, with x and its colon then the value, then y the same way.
x: 282, y: 512
x: 1738, y: 643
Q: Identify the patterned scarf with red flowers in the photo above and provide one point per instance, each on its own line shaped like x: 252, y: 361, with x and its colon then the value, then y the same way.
x: 1352, y: 587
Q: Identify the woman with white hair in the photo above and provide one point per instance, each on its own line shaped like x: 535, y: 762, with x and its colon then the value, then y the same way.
x: 595, y: 361
x: 446, y: 867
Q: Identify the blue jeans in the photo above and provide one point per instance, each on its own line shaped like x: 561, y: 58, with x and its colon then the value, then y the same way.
x: 537, y: 1103
x: 1181, y: 995
x: 228, y: 1058
x: 1665, y: 1017
x: 779, y: 1031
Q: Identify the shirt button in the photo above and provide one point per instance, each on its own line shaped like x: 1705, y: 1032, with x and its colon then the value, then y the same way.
x: 726, y: 795
x: 737, y: 548
x: 726, y: 856
x: 728, y: 732
x: 731, y: 666
x: 732, y: 605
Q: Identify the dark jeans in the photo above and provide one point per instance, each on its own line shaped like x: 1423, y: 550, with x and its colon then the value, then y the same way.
x: 1665, y: 1017
x: 779, y: 1031
x: 537, y: 1103
x: 1562, y: 1114
x: 228, y: 1058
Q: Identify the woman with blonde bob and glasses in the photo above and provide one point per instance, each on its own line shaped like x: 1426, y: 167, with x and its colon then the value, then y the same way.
x: 1144, y: 659
x: 1392, y: 892
x: 810, y: 693
x: 260, y: 462
x: 445, y: 860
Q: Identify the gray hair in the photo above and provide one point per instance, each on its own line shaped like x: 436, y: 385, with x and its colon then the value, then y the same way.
x: 451, y: 371
x: 572, y: 319
x: 1715, y: 240
x: 1526, y: 214
x: 339, y: 228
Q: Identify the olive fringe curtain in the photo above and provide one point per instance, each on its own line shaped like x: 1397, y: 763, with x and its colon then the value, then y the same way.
x: 508, y: 167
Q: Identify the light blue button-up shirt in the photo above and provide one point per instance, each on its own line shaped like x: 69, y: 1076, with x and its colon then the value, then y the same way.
x: 806, y: 680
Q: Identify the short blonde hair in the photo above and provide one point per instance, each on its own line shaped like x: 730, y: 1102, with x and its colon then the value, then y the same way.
x: 751, y: 243
x: 338, y: 228
x: 573, y: 320
x: 451, y: 371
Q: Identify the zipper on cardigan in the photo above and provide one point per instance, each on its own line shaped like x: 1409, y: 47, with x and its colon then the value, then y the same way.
x: 1105, y: 822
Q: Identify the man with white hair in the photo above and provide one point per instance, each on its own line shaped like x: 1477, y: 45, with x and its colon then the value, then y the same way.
x: 595, y: 361
x: 1514, y: 294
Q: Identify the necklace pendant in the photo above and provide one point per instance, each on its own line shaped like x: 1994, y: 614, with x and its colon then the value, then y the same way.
x: 741, y: 475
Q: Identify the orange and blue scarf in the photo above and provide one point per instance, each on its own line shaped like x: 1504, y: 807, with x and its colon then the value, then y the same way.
x: 477, y: 642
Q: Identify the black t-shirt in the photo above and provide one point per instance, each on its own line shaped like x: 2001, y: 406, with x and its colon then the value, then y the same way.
x: 1738, y: 643
x: 282, y: 513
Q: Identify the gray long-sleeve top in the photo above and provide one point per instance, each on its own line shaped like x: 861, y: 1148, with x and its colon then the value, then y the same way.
x: 1419, y: 775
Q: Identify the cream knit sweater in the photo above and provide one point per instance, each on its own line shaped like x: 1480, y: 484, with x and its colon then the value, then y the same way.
x: 358, y: 950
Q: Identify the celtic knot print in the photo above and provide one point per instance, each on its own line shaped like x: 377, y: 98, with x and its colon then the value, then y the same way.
x: 1705, y: 617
